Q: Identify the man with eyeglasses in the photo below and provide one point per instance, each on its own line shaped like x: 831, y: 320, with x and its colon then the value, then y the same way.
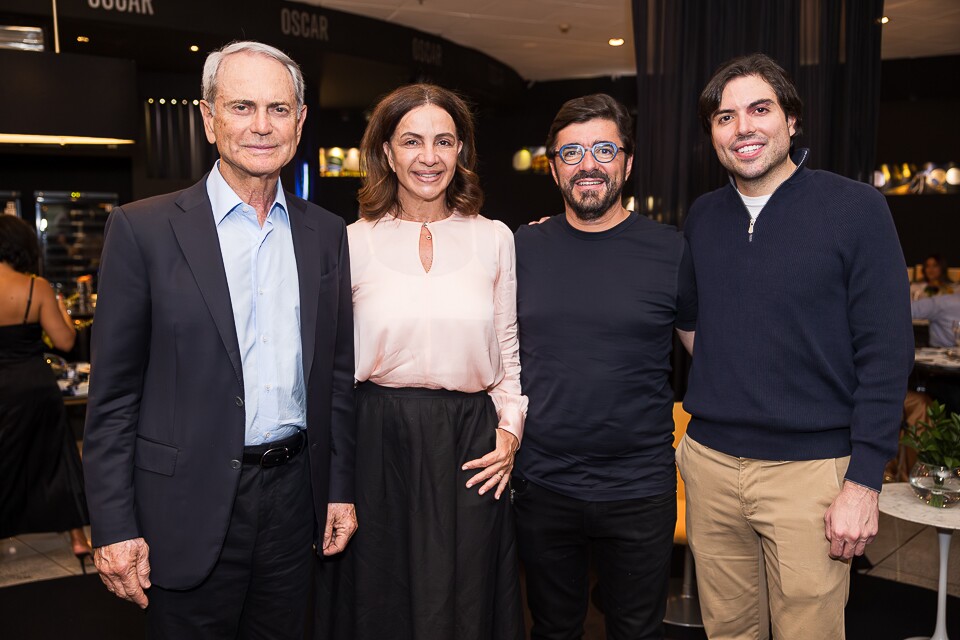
x: 600, y: 291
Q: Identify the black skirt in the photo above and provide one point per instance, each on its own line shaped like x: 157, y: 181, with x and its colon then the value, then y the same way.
x: 41, y: 481
x: 431, y: 560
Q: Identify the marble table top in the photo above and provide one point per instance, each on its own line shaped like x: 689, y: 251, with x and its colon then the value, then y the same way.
x: 898, y: 499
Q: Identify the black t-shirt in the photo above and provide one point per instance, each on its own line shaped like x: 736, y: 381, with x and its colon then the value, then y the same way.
x: 597, y: 313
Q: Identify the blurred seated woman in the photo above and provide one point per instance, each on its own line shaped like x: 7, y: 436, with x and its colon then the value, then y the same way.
x: 41, y: 483
x: 439, y: 409
x: 935, y: 281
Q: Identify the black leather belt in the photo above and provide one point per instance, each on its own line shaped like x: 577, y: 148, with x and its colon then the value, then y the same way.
x: 274, y: 454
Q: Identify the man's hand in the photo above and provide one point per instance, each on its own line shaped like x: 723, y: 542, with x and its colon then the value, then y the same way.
x: 852, y: 521
x: 341, y: 525
x: 125, y: 568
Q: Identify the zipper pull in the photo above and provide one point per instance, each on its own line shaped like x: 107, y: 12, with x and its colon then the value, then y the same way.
x: 750, y: 230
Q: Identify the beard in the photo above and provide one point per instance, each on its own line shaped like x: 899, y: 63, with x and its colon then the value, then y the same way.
x: 592, y: 205
x: 776, y: 157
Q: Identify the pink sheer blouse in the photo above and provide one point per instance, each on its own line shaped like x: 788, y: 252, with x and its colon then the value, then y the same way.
x: 452, y: 328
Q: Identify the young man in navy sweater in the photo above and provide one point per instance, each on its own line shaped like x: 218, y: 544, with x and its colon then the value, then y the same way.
x: 803, y: 348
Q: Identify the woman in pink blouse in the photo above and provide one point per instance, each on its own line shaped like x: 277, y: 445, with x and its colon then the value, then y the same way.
x: 439, y: 409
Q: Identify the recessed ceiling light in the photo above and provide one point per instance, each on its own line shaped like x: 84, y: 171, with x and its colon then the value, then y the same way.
x: 615, y: 42
x: 884, y: 20
x: 194, y: 48
x: 83, y: 39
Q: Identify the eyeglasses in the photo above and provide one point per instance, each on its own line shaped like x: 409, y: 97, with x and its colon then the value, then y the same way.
x: 603, y: 152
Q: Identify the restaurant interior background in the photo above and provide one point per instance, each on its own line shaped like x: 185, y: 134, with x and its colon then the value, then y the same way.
x: 126, y: 70
x: 129, y: 70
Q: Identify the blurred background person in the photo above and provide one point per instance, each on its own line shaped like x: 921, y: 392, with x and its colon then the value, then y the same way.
x: 935, y: 280
x: 943, y: 313
x: 41, y: 482
x: 439, y: 409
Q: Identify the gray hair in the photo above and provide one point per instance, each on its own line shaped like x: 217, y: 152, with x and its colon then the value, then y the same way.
x: 212, y: 67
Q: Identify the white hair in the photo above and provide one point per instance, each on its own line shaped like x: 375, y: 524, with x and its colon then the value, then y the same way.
x: 212, y: 67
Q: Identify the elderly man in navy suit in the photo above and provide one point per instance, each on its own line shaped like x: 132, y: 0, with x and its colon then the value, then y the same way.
x: 220, y: 435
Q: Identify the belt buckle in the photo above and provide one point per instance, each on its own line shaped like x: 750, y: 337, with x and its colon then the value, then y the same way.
x: 274, y: 457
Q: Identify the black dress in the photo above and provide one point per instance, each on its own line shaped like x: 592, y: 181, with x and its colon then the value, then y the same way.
x: 41, y: 481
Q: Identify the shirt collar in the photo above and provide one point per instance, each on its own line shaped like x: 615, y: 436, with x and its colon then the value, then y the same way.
x: 223, y: 199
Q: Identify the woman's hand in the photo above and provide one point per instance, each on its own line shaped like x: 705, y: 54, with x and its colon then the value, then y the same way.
x: 496, y: 465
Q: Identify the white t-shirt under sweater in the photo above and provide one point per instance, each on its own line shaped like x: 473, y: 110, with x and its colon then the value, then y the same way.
x: 754, y: 204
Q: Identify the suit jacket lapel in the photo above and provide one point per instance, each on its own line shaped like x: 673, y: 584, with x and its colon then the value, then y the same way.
x: 197, y: 234
x: 305, y: 244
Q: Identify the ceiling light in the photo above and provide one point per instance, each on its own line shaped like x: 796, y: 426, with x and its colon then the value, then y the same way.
x: 615, y: 42
x: 18, y: 138
x: 884, y: 20
x: 83, y: 39
x: 194, y: 48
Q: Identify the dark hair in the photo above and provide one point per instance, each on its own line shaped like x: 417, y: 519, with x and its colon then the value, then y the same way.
x: 944, y: 275
x: 598, y: 106
x: 756, y: 64
x: 18, y: 244
x: 378, y: 195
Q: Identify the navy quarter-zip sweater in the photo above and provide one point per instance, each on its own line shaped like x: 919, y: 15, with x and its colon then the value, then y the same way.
x: 804, y: 340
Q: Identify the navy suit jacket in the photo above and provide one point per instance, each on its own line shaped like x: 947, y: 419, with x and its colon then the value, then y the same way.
x: 165, y: 416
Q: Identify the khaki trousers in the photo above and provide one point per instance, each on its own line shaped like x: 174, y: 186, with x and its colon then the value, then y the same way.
x: 734, y: 502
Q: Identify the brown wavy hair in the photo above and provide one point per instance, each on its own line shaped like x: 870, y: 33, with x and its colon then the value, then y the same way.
x: 378, y: 195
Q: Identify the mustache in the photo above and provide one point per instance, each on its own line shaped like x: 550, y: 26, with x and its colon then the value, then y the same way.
x: 750, y: 138
x: 596, y: 174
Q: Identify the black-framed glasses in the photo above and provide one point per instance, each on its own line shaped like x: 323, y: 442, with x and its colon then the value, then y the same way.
x: 603, y: 152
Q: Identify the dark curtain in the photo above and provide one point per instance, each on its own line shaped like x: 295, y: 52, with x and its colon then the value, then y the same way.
x: 175, y: 143
x: 831, y: 48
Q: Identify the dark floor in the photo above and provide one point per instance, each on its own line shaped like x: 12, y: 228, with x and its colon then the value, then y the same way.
x: 43, y: 598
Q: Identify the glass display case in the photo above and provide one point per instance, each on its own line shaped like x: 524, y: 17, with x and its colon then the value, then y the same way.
x: 70, y: 228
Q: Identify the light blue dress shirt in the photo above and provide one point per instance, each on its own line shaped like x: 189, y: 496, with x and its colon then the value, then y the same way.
x: 265, y: 294
x: 942, y: 312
